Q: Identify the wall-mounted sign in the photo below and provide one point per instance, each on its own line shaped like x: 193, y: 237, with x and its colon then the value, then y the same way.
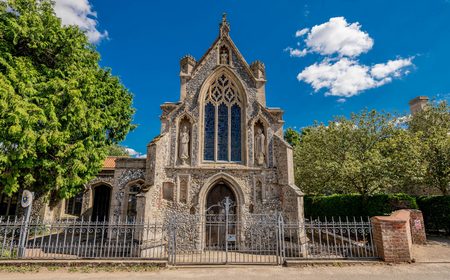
x: 417, y: 224
x: 27, y: 198
x: 232, y: 238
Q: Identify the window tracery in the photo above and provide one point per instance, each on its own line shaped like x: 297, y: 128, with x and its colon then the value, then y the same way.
x: 223, y: 129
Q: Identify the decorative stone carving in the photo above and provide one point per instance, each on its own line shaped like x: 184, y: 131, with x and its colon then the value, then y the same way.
x: 224, y: 55
x: 260, y: 147
x: 223, y: 58
x: 183, y: 185
x: 184, y: 145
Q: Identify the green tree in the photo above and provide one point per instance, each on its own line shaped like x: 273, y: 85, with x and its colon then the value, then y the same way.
x: 59, y: 110
x: 117, y: 151
x: 292, y: 136
x: 432, y: 126
x: 364, y: 154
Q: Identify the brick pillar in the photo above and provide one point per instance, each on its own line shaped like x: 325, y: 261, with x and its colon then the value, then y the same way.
x: 417, y: 227
x: 392, y: 236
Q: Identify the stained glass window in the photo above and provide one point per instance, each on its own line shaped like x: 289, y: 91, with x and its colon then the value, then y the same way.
x: 222, y: 133
x: 236, y: 133
x: 210, y: 120
x: 223, y: 98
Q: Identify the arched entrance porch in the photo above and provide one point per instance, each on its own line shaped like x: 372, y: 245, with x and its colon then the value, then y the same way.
x: 220, y: 216
x: 101, y: 203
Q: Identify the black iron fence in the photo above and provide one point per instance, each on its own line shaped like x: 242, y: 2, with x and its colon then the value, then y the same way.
x: 80, y: 239
x: 190, y: 239
x: 329, y: 238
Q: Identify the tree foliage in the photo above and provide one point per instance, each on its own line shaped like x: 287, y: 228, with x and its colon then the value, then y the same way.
x: 59, y: 110
x: 363, y: 154
x: 432, y: 126
x: 292, y: 137
x: 117, y: 151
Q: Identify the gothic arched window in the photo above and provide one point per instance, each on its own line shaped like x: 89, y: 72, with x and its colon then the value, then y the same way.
x: 223, y: 113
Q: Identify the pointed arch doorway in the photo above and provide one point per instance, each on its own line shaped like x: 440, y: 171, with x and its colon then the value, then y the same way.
x: 220, y: 217
x: 100, y: 207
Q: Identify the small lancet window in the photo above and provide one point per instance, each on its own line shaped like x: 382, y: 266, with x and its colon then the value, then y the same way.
x: 167, y: 191
x: 132, y: 202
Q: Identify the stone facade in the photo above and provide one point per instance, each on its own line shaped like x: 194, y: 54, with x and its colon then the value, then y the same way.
x: 258, y: 188
x: 249, y: 155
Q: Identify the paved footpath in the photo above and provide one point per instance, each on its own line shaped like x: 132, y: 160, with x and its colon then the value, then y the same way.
x: 429, y: 271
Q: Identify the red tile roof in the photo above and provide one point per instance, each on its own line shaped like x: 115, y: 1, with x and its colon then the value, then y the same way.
x: 109, y: 163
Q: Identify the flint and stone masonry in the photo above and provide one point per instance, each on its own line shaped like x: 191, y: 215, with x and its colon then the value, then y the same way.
x: 219, y: 139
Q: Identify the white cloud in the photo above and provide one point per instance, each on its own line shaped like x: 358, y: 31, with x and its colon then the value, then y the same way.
x: 341, y: 100
x: 347, y: 77
x: 301, y: 32
x: 295, y: 52
x: 334, y: 37
x: 391, y: 68
x: 338, y: 37
x: 343, y: 78
x: 80, y: 13
x: 339, y: 71
x: 131, y: 152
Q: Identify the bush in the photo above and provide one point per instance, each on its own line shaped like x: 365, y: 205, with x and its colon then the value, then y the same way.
x: 7, y: 254
x: 350, y: 205
x: 436, y: 212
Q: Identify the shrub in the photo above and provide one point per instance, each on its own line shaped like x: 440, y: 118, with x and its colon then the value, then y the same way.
x: 436, y: 212
x: 7, y: 254
x: 342, y: 205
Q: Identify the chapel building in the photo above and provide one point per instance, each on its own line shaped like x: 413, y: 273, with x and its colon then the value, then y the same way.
x: 219, y: 140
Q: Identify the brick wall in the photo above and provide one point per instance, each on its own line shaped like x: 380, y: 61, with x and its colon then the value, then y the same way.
x: 392, y: 236
x: 417, y: 227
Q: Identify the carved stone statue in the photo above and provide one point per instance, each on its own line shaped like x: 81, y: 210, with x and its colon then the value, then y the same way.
x: 260, y: 147
x: 184, y: 145
x: 224, y: 57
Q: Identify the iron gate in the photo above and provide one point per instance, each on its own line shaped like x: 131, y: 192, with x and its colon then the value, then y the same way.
x: 220, y: 237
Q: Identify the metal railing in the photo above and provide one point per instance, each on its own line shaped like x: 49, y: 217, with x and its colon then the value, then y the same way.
x: 81, y: 239
x: 189, y: 239
x: 226, y: 239
x: 329, y: 238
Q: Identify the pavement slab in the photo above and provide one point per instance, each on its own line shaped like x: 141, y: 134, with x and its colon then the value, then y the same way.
x: 429, y: 271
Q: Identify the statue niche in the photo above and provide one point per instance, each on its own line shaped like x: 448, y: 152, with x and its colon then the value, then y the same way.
x: 224, y: 55
x: 260, y: 144
x: 184, y: 142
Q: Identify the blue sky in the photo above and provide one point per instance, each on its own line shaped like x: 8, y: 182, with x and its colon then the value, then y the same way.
x: 142, y: 41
